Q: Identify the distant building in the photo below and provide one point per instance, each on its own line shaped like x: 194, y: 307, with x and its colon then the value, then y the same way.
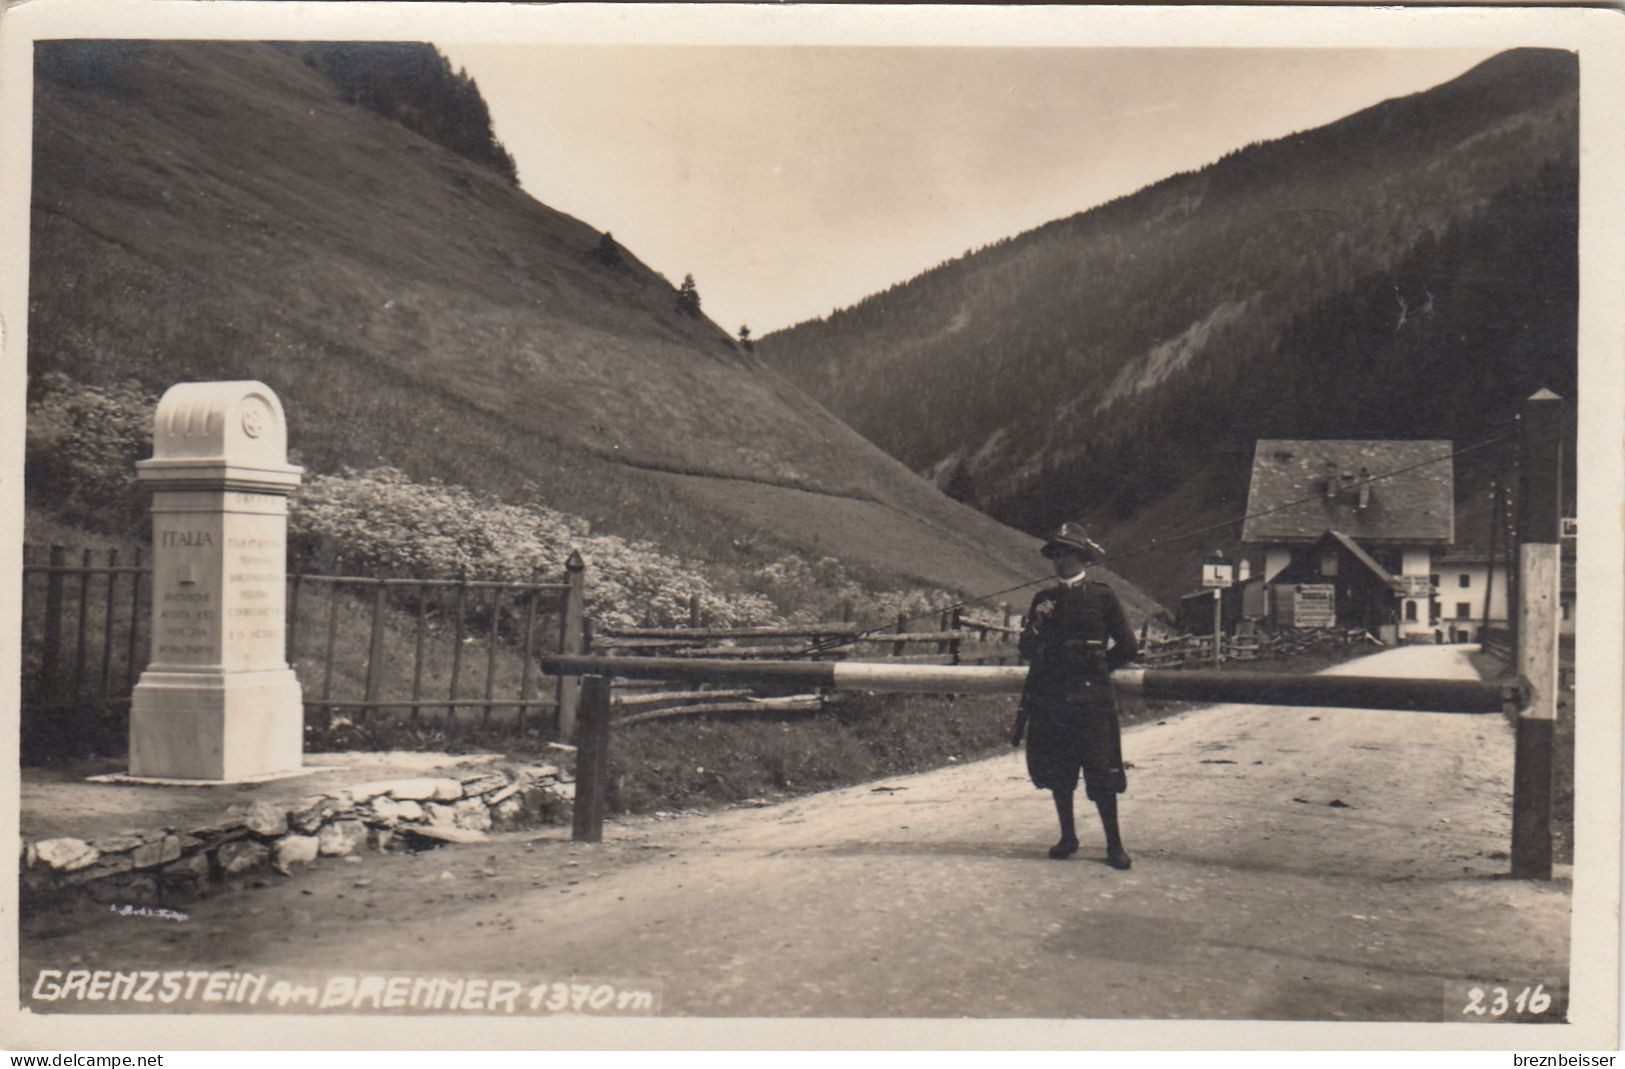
x: 1349, y: 530
x: 1463, y: 579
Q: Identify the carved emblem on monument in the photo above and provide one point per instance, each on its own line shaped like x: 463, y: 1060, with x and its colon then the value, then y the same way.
x: 256, y: 417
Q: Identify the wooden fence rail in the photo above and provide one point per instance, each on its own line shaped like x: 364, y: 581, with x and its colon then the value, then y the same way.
x: 955, y: 639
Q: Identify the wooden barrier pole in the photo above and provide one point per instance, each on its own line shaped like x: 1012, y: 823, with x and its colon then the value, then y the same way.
x: 571, y: 641
x: 592, y: 760
x: 1256, y: 688
x: 1540, y: 471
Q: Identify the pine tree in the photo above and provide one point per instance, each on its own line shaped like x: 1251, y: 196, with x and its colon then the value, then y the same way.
x: 688, y: 297
x: 608, y: 251
x: 744, y: 339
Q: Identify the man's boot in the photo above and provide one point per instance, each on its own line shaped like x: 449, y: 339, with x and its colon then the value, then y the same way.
x: 1116, y: 856
x: 1069, y: 832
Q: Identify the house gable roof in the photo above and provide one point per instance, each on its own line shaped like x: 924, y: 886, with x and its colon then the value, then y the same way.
x: 1410, y: 500
x: 1299, y: 570
x: 1362, y: 556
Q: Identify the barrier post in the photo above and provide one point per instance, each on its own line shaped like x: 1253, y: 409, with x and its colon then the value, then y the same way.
x: 1539, y: 500
x: 570, y: 641
x: 592, y: 760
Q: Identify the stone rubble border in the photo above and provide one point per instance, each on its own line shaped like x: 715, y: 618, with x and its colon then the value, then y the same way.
x: 279, y: 835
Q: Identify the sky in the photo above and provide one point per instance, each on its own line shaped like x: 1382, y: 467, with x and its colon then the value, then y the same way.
x: 794, y: 180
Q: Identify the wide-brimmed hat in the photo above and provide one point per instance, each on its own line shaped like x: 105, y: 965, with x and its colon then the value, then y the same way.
x: 1072, y: 536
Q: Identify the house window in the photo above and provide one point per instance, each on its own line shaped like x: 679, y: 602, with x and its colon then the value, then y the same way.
x: 1328, y: 564
x: 1434, y: 579
x: 1464, y: 610
x: 1466, y: 580
x: 1410, y: 611
x: 1567, y: 608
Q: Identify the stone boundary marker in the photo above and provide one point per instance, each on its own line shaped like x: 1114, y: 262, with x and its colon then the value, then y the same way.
x: 280, y: 835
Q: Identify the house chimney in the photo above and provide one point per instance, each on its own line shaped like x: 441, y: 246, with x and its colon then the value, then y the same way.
x: 1331, y: 480
x: 1365, y: 488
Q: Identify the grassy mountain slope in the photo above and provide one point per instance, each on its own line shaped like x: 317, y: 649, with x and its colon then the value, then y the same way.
x: 207, y: 211
x: 1408, y: 271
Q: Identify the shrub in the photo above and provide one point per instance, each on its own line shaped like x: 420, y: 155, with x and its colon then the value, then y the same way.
x: 83, y: 442
x: 82, y: 445
x: 382, y: 522
x: 805, y: 591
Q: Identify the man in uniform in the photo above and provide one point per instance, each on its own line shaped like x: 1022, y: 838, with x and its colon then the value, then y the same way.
x: 1075, y: 634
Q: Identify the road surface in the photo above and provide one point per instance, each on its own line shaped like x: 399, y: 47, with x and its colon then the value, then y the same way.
x: 1288, y: 864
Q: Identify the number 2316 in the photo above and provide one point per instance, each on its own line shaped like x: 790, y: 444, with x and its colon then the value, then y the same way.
x: 1533, y: 1000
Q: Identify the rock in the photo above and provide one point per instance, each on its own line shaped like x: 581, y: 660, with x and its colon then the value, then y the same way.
x: 565, y: 791
x: 312, y: 813
x: 471, y: 813
x: 263, y: 818
x: 544, y: 805
x: 424, y: 788
x: 362, y: 793
x: 508, y: 811
x: 483, y: 783
x: 65, y: 855
x: 291, y: 850
x: 444, y: 833
x: 243, y: 855
x: 194, y: 867
x: 229, y: 826
x: 342, y: 837
x: 157, y: 853
x: 540, y: 772
x: 386, y: 810
x: 117, y: 865
x: 412, y: 811
x: 504, y: 794
x: 117, y: 844
x: 380, y: 838
x: 438, y: 814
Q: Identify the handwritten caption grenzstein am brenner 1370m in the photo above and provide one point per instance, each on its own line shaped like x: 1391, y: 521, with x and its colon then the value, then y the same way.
x: 228, y: 991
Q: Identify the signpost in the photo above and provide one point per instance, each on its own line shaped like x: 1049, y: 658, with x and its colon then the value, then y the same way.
x: 1216, y: 573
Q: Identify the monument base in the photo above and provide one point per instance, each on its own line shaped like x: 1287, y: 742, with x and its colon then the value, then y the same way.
x: 217, y: 726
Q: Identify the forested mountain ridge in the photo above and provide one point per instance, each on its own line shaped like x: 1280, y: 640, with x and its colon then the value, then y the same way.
x: 1407, y: 271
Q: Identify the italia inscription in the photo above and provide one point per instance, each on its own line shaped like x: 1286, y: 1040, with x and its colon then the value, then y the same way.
x: 188, y: 617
